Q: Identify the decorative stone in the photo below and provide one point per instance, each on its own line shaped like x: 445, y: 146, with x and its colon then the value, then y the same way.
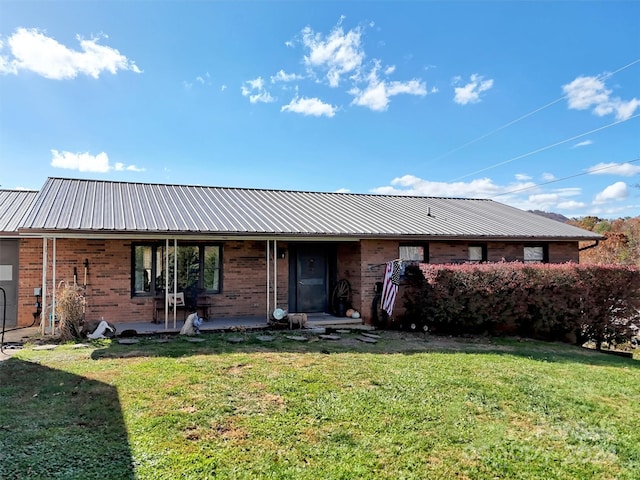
x: 370, y: 335
x: 128, y: 341
x: 45, y: 347
x: 80, y: 345
x: 297, y: 338
x: 330, y: 337
x: 194, y: 339
x: 266, y: 338
x: 367, y: 339
x: 235, y: 339
x: 343, y: 330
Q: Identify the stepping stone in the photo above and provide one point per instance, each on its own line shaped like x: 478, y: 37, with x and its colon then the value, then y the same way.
x: 343, y: 330
x: 297, y: 338
x: 330, y: 337
x: 367, y: 339
x: 161, y: 340
x: 235, y: 339
x: 316, y: 330
x: 128, y: 341
x: 45, y: 347
x: 370, y: 335
x: 266, y: 338
x: 194, y: 339
x: 80, y: 345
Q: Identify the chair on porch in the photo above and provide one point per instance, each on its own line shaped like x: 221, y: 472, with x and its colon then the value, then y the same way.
x: 177, y: 299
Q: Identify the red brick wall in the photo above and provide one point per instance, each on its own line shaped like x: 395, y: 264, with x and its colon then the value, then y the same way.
x: 108, y: 292
x: 243, y: 274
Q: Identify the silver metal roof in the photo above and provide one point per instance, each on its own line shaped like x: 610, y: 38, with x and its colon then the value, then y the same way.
x: 14, y: 204
x: 70, y: 205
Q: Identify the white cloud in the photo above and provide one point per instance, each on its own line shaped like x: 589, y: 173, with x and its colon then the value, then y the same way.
x: 522, y: 177
x: 339, y: 53
x: 623, y: 169
x: 478, y: 188
x: 282, y: 76
x: 584, y: 93
x: 377, y: 93
x: 85, y: 162
x: 256, y: 92
x: 614, y: 192
x: 310, y: 106
x: 343, y: 190
x: 470, y: 93
x: 32, y: 50
x: 582, y: 144
x: 548, y: 177
x: 571, y: 205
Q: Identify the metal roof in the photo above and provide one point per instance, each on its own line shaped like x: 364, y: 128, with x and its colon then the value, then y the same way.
x: 14, y: 204
x: 71, y: 205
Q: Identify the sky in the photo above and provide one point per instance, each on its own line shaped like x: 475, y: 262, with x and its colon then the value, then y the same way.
x: 531, y: 104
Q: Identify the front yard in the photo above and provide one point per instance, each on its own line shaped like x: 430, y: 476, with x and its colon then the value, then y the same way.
x: 408, y: 406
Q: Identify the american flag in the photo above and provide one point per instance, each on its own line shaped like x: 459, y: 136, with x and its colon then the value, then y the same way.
x: 390, y: 286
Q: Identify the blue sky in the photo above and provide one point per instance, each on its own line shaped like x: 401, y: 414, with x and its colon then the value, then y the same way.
x: 533, y: 104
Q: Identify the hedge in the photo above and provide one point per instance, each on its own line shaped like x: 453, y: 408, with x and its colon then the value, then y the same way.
x: 547, y: 301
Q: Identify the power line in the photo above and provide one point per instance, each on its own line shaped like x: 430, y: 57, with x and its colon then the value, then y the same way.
x: 593, y: 170
x: 526, y: 115
x: 547, y: 147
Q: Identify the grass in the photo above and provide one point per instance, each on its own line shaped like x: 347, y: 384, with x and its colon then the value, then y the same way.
x: 406, y: 407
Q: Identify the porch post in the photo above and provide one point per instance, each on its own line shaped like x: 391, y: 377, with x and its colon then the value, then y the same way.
x: 268, y: 281
x: 43, y: 312
x: 175, y: 279
x: 275, y: 274
x: 166, y: 284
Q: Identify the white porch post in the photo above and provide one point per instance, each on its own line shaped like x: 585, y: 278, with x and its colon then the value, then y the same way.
x: 275, y: 274
x: 166, y: 284
x: 268, y: 282
x: 175, y: 279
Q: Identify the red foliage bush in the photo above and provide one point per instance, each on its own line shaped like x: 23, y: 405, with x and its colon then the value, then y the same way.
x: 547, y: 301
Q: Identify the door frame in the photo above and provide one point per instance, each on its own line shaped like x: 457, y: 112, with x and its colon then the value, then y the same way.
x: 328, y: 250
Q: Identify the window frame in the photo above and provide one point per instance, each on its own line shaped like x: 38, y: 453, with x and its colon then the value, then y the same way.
x: 545, y: 253
x: 483, y: 255
x: 156, y: 268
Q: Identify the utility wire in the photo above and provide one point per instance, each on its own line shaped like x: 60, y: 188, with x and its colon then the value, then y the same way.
x: 593, y: 170
x: 526, y: 115
x: 547, y: 147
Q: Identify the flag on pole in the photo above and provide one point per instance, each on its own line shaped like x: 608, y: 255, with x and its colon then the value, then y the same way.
x: 390, y: 286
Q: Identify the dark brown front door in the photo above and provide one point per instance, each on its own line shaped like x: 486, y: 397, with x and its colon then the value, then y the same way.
x: 311, y: 280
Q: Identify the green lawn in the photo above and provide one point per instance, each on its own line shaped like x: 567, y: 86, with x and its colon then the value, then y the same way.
x: 409, y: 406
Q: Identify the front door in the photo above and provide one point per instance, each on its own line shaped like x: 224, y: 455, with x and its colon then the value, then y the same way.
x: 311, y: 280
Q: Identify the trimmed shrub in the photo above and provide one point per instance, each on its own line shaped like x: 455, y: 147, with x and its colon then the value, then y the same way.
x: 546, y: 301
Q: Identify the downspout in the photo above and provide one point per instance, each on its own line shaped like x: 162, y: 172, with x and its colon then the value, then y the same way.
x: 43, y: 312
x: 589, y: 246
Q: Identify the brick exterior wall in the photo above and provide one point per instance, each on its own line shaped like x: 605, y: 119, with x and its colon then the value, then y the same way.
x: 243, y: 274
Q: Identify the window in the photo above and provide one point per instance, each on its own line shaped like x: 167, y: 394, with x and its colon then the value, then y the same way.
x: 477, y: 253
x: 411, y: 254
x: 198, y: 268
x: 536, y: 254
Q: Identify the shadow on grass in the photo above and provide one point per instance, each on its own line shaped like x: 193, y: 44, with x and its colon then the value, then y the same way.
x: 54, y: 424
x: 388, y: 342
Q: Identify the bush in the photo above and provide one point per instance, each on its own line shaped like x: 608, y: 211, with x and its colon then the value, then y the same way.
x: 70, y: 305
x: 551, y: 302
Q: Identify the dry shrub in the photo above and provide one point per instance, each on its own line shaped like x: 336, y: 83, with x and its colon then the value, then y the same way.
x: 70, y: 303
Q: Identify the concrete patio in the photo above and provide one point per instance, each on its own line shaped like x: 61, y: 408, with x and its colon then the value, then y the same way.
x: 314, y: 321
